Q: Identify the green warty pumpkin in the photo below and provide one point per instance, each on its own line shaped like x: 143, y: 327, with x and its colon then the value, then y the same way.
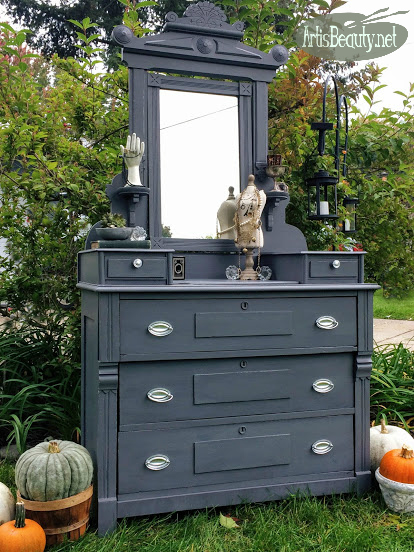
x: 54, y: 470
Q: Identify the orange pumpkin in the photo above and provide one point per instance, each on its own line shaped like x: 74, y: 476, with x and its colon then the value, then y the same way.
x: 398, y: 465
x: 22, y: 535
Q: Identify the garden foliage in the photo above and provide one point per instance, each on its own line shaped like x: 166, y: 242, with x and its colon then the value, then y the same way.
x: 392, y: 385
x: 61, y: 125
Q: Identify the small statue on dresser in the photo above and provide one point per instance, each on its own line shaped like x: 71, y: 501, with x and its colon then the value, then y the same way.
x: 132, y: 154
x: 249, y: 235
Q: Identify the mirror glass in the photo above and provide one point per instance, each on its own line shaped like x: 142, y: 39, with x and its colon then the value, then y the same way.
x: 199, y: 151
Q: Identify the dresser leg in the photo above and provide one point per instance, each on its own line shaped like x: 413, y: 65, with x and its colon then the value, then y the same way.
x: 362, y: 450
x: 364, y: 482
x: 107, y: 517
x: 107, y: 447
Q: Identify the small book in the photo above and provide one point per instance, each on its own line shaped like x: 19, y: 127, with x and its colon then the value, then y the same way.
x: 121, y: 244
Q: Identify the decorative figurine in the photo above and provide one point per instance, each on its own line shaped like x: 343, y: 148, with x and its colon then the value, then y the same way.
x: 249, y: 234
x: 225, y: 217
x: 132, y: 154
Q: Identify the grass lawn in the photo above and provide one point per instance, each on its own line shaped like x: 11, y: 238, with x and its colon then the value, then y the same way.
x: 397, y: 309
x: 321, y: 524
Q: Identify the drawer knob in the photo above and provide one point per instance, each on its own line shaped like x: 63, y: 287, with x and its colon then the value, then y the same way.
x: 336, y: 263
x: 326, y: 322
x: 160, y: 328
x: 323, y: 385
x: 323, y: 446
x: 137, y: 263
x: 157, y: 462
x: 160, y: 395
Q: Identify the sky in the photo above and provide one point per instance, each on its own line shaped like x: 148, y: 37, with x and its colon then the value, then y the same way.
x: 399, y: 64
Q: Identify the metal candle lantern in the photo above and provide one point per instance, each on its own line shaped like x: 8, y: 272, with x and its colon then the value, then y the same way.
x: 322, y: 194
x: 350, y: 223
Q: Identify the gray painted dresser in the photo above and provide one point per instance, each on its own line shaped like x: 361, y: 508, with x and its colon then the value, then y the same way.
x: 200, y: 391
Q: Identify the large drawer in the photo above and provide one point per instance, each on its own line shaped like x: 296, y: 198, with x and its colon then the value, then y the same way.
x: 245, y: 451
x: 234, y: 324
x: 193, y: 389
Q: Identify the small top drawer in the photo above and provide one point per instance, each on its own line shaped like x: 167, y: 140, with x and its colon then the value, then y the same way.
x: 126, y: 266
x: 318, y: 267
x: 333, y: 267
x: 136, y: 266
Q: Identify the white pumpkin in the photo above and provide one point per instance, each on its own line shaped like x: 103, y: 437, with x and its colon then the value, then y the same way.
x: 384, y: 438
x: 7, y: 504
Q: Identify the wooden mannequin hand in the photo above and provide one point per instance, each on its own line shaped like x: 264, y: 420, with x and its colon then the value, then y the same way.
x: 132, y: 155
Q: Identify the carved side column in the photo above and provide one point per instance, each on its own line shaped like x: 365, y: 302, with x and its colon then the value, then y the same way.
x: 107, y: 447
x: 362, y: 396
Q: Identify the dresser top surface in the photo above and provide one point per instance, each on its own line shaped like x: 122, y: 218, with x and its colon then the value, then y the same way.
x: 213, y: 286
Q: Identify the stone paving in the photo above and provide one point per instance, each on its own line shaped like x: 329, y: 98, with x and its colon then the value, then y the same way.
x: 393, y: 332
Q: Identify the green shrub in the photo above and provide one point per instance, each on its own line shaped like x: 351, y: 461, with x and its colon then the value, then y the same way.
x: 40, y: 387
x: 392, y: 385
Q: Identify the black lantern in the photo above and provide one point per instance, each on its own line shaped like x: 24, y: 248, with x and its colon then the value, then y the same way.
x: 322, y: 198
x: 322, y: 187
x: 349, y: 225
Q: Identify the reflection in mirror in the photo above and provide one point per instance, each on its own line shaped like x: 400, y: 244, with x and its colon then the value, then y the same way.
x: 199, y: 150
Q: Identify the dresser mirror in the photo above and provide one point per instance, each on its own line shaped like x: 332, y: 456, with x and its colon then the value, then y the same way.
x: 199, y: 158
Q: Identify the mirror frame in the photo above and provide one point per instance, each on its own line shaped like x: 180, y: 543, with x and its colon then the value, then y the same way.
x: 182, y: 84
x: 200, y: 44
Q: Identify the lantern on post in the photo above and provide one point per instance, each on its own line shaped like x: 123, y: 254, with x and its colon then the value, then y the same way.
x: 322, y: 187
x: 349, y: 225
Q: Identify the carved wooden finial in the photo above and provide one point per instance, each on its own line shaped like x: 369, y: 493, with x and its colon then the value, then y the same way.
x: 206, y: 14
x: 203, y: 15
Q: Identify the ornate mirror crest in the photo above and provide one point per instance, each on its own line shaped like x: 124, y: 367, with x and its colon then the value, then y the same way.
x: 203, y: 31
x: 204, y: 15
